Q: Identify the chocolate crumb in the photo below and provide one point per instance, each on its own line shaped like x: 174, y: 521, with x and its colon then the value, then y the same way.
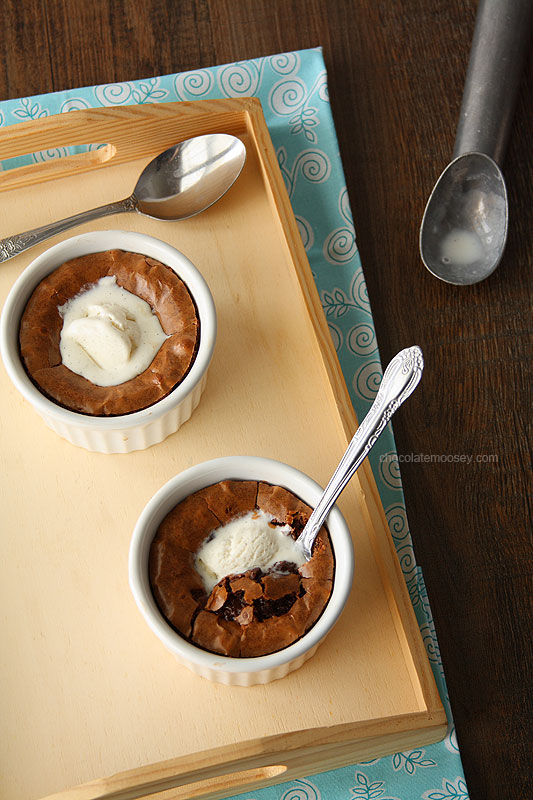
x: 285, y: 566
x: 255, y: 573
x: 233, y: 606
x: 217, y: 598
x: 265, y: 608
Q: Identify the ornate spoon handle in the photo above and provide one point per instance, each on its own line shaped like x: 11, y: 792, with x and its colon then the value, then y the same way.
x: 399, y: 380
x: 14, y: 245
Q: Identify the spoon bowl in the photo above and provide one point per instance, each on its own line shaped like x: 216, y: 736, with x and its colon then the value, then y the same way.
x: 179, y: 183
x: 188, y: 178
x: 464, y: 227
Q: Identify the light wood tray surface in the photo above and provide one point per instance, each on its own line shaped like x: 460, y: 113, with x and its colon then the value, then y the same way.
x: 87, y: 689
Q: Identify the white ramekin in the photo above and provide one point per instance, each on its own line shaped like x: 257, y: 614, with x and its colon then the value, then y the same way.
x: 223, y: 669
x: 128, y: 432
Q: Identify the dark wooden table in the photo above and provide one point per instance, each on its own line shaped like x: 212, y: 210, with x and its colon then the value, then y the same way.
x: 396, y: 73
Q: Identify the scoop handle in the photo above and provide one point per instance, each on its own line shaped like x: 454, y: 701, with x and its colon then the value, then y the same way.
x: 499, y: 47
x: 399, y: 380
x: 19, y: 242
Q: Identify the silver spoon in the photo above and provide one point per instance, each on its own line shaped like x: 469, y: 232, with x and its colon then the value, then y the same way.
x: 464, y: 227
x: 399, y: 380
x: 179, y: 183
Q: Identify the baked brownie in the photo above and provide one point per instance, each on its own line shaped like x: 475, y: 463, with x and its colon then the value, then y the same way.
x: 149, y: 279
x: 248, y: 614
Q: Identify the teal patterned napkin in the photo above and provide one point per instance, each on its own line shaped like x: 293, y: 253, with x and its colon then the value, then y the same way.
x: 293, y: 91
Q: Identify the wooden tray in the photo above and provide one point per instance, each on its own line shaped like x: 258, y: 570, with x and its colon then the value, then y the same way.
x: 87, y: 689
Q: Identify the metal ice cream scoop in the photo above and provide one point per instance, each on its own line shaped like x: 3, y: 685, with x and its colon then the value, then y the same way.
x: 179, y: 183
x: 464, y: 227
x: 399, y: 380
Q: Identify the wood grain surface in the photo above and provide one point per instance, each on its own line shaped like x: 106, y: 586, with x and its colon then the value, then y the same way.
x: 396, y: 73
x: 372, y: 693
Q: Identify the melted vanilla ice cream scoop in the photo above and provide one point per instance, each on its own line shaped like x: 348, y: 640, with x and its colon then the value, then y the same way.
x: 462, y: 247
x: 109, y: 335
x: 244, y: 543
